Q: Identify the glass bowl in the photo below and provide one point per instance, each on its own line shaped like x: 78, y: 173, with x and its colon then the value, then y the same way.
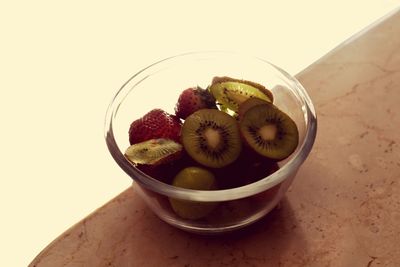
x: 159, y: 85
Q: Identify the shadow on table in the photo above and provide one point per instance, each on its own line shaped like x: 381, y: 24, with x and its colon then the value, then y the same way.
x: 276, y: 239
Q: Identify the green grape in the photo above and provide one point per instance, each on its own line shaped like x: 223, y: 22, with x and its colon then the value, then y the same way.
x: 198, y: 179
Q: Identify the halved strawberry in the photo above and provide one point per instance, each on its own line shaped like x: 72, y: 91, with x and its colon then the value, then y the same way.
x: 155, y: 124
x: 193, y: 99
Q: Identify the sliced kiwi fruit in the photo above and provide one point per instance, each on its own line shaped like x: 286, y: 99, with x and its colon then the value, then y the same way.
x: 219, y: 79
x: 154, y: 152
x: 198, y: 179
x: 249, y: 103
x: 232, y: 92
x: 211, y: 137
x: 269, y: 131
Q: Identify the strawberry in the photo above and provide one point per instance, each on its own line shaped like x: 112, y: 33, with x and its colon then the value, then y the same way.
x: 155, y: 124
x: 193, y: 99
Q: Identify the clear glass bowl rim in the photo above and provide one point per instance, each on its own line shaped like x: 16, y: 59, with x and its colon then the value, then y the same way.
x: 154, y: 185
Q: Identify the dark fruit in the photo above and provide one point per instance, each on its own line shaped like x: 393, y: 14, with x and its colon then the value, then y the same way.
x: 155, y: 124
x: 198, y: 179
x: 211, y: 137
x: 260, y: 169
x: 250, y: 167
x: 193, y: 99
x: 154, y: 152
x: 269, y: 131
x: 230, y: 92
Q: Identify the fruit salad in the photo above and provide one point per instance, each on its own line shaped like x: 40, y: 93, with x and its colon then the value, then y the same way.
x: 227, y: 135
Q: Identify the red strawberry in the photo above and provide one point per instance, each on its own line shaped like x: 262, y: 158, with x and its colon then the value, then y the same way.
x: 193, y: 99
x: 155, y: 124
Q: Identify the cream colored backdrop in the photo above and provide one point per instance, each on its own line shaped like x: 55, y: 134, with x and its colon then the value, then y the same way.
x: 62, y: 61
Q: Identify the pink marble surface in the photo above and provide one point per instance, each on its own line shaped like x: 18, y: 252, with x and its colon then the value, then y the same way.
x: 343, y: 209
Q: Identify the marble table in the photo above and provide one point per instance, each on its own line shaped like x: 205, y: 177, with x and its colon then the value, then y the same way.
x: 343, y: 209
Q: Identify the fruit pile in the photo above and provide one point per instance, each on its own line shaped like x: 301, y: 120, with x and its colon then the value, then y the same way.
x: 228, y: 135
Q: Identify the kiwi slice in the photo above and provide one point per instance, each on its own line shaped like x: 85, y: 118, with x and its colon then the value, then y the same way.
x: 260, y: 87
x: 269, y: 131
x: 249, y: 103
x: 211, y: 137
x: 198, y: 179
x: 153, y: 152
x: 232, y: 92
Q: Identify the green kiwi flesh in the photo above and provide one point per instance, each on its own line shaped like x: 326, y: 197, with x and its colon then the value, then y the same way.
x: 249, y: 103
x: 211, y: 137
x: 153, y: 151
x: 269, y: 131
x: 232, y: 93
x: 268, y: 93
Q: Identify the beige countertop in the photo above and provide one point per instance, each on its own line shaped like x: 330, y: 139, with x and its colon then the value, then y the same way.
x: 343, y: 209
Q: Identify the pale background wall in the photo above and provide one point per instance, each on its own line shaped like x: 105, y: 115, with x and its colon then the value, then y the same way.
x: 62, y: 61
